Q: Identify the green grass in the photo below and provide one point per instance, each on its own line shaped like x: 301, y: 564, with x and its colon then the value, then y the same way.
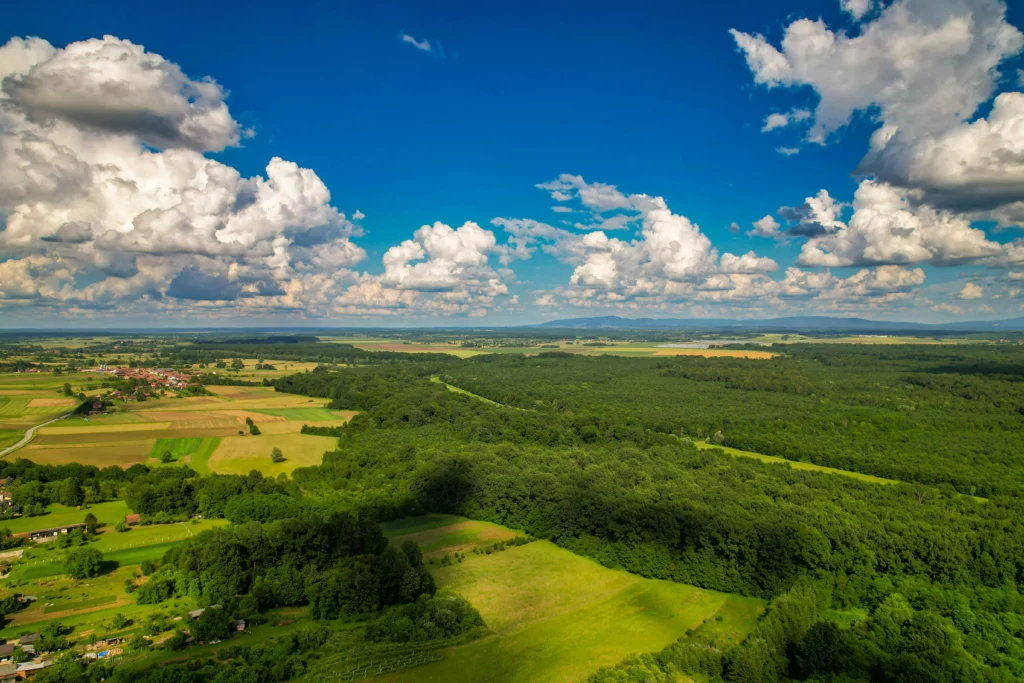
x: 114, y: 541
x: 295, y: 414
x: 455, y: 389
x: 795, y: 464
x: 110, y: 419
x: 412, y: 525
x: 198, y: 451
x: 40, y: 571
x: 460, y: 536
x: 556, y: 617
x: 80, y: 605
x: 136, y: 556
x: 111, y: 513
x: 9, y: 437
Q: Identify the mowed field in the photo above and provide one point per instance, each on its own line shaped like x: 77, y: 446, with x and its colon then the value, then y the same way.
x: 208, y: 433
x: 555, y: 616
x: 29, y: 399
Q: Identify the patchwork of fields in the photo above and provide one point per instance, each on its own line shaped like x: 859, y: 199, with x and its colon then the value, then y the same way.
x: 209, y: 433
x: 605, y: 348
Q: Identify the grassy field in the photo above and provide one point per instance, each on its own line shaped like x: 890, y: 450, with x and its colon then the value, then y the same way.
x: 194, y: 452
x: 618, y: 348
x: 111, y: 541
x: 59, y: 515
x: 555, y: 616
x: 242, y: 454
x: 455, y: 535
x: 301, y: 414
x: 796, y: 464
x: 457, y: 390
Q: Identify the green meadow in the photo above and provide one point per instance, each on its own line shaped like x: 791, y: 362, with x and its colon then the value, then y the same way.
x: 58, y: 515
x: 556, y: 616
x: 194, y: 452
x: 295, y: 414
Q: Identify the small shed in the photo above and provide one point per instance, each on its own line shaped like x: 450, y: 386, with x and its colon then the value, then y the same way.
x: 131, y: 520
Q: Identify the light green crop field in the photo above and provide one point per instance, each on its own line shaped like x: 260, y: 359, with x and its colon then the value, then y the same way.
x: 300, y: 414
x: 243, y: 454
x: 559, y: 617
x: 412, y: 525
x: 111, y: 541
x: 9, y: 437
x: 136, y: 556
x: 58, y: 515
x: 194, y: 452
x: 462, y: 535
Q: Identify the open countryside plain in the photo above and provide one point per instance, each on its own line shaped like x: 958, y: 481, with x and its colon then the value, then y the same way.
x: 616, y: 348
x: 555, y: 616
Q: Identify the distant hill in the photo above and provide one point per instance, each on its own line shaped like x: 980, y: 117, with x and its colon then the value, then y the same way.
x: 808, y: 323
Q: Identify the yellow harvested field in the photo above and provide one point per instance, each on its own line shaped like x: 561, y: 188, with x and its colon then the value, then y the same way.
x: 293, y: 426
x: 715, y: 353
x: 191, y: 420
x: 120, y: 454
x: 240, y: 415
x: 52, y: 402
x: 239, y: 392
x: 104, y: 428
x: 242, y: 454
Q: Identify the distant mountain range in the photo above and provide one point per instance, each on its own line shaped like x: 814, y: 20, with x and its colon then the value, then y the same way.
x: 808, y: 323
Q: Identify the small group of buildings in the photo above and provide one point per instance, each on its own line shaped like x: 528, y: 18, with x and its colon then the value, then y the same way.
x: 51, y: 533
x: 8, y: 508
x: 19, y: 671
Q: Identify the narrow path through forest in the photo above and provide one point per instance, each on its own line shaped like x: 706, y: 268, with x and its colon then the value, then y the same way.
x: 704, y: 445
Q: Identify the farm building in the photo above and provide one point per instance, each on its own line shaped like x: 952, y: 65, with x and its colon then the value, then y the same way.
x: 8, y: 671
x: 44, y: 535
x: 6, y: 652
x: 131, y: 520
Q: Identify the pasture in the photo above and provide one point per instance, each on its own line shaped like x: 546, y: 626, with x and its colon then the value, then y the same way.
x: 453, y: 534
x: 242, y: 454
x: 555, y: 616
x: 110, y: 513
x: 194, y: 452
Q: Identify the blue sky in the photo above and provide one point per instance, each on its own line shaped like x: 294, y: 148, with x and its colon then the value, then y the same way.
x: 656, y: 100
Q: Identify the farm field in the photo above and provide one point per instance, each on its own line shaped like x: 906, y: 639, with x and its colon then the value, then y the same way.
x: 193, y: 430
x: 194, y: 452
x: 555, y: 616
x: 607, y: 348
x: 242, y: 454
x: 437, y: 535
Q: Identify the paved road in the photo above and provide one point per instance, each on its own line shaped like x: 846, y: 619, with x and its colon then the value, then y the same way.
x: 29, y: 434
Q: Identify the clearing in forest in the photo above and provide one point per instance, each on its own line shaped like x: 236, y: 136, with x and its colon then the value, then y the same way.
x: 454, y: 535
x: 242, y: 454
x: 556, y: 616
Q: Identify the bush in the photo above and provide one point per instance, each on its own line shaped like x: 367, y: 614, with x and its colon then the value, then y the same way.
x: 276, y: 455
